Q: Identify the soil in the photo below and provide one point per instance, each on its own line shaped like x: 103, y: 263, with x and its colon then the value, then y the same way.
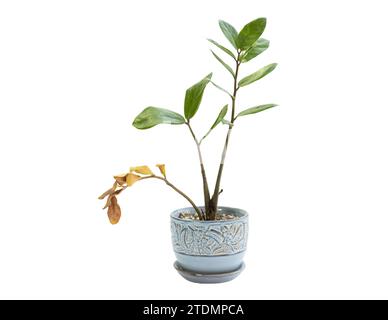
x: 219, y: 216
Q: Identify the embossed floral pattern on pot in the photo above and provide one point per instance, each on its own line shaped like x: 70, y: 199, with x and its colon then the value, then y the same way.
x: 217, y: 238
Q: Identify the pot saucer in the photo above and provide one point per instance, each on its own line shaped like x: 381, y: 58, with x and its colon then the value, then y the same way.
x: 208, y: 277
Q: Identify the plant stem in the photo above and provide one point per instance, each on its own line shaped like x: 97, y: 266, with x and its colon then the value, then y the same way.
x: 206, y: 192
x: 214, y: 199
x: 197, y: 210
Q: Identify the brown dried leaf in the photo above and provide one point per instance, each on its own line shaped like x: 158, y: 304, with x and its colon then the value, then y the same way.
x: 121, y: 178
x: 118, y: 191
x: 162, y: 169
x: 142, y: 170
x: 108, y: 192
x: 114, y: 211
x: 108, y: 201
x: 132, y: 178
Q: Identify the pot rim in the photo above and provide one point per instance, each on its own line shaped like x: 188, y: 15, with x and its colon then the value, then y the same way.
x: 232, y: 210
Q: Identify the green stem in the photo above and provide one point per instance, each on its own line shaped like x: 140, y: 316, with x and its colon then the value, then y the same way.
x: 214, y: 199
x: 206, y: 192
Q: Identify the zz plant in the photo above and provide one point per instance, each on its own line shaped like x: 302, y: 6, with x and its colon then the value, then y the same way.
x: 247, y: 44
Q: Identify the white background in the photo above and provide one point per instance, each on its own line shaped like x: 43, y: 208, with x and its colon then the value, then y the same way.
x: 312, y: 172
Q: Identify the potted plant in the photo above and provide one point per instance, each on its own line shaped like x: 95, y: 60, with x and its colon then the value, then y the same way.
x: 210, y: 240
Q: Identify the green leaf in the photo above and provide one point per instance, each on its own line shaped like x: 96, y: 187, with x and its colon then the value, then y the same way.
x: 220, y: 117
x: 227, y: 122
x: 223, y: 63
x: 226, y: 50
x: 250, y: 33
x: 257, y: 75
x: 194, y: 96
x: 229, y: 31
x: 152, y: 116
x: 222, y: 89
x: 258, y: 47
x: 255, y: 109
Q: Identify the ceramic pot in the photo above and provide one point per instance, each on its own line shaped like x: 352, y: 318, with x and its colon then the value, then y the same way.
x: 209, y: 251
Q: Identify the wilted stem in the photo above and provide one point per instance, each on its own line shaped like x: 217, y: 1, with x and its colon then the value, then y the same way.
x: 197, y: 210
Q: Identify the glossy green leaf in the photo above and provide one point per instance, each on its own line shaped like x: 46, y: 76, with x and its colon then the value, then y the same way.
x: 226, y: 50
x: 194, y: 95
x: 227, y: 67
x: 257, y: 75
x: 258, y: 47
x: 250, y: 33
x: 152, y: 116
x: 255, y: 109
x: 221, y: 116
x: 230, y: 32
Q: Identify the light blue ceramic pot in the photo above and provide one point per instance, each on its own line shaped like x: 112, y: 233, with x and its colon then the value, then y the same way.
x: 210, y: 247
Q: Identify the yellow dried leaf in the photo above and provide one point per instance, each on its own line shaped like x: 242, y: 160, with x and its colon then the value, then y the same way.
x: 121, y: 178
x: 114, y: 211
x: 142, y: 170
x: 162, y: 169
x: 132, y: 178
